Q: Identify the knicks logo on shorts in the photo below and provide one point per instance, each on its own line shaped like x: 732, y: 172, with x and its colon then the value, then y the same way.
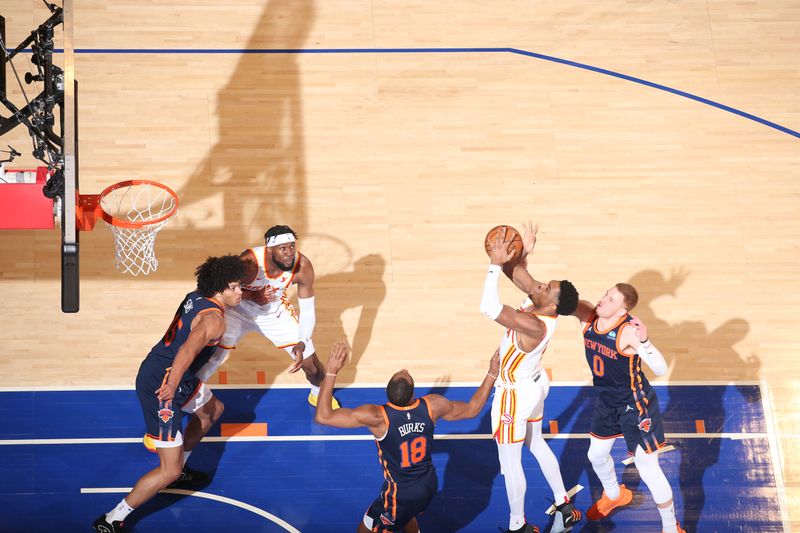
x: 506, y: 418
x: 165, y: 415
x: 385, y: 520
x: 644, y: 425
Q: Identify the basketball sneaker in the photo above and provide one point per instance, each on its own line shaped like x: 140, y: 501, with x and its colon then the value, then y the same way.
x: 312, y: 399
x: 680, y: 529
x: 603, y: 507
x: 527, y: 528
x: 101, y: 525
x: 189, y: 479
x: 566, y: 517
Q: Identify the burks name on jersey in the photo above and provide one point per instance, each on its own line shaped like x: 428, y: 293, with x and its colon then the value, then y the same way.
x: 411, y: 427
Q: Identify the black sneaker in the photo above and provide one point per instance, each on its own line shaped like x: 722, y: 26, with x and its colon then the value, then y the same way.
x: 101, y: 525
x: 566, y: 516
x: 189, y: 479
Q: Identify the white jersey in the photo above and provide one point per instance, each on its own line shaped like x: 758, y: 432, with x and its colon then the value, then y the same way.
x: 276, y: 287
x: 517, y: 364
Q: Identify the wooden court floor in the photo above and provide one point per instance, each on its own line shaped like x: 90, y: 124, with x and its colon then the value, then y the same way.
x: 392, y: 137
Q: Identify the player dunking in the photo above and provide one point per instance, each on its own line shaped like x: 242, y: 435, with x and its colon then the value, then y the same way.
x: 616, y: 343
x: 403, y: 430
x: 168, y: 388
x: 269, y: 271
x: 518, y: 405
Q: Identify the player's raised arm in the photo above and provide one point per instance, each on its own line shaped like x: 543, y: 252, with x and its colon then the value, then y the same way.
x: 517, y: 271
x: 490, y: 300
x: 584, y: 311
x: 446, y: 409
x: 367, y: 415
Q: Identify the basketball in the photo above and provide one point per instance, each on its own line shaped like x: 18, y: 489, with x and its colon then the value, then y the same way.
x: 512, y: 238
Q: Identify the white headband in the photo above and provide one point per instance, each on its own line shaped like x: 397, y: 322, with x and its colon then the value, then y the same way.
x: 277, y: 240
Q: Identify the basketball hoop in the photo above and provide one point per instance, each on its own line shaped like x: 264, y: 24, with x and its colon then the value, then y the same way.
x: 135, y: 212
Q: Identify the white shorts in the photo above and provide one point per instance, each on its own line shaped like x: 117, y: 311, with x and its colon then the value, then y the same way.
x: 280, y: 326
x: 516, y: 404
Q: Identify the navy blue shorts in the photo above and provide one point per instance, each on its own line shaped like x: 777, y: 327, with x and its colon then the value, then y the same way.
x: 162, y: 419
x: 398, y: 503
x: 641, y: 427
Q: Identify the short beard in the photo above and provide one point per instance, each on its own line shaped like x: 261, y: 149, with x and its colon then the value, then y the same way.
x: 284, y: 267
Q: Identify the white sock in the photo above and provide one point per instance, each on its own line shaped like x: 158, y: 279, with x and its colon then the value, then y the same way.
x: 119, y: 513
x: 547, y: 461
x: 668, y: 521
x: 608, y: 477
x: 314, y: 390
x: 186, y: 456
x: 510, y: 456
x: 599, y: 455
x: 656, y: 481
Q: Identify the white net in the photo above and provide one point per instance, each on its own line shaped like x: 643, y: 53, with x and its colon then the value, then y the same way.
x: 139, y: 211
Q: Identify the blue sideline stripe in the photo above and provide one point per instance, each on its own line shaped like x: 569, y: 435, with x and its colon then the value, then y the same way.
x: 660, y: 87
x: 535, y: 55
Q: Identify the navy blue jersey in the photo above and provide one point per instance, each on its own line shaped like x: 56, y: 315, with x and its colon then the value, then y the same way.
x: 405, y: 451
x: 617, y: 375
x: 164, y: 352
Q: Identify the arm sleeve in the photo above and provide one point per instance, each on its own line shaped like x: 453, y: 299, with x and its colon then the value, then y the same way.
x: 308, y: 318
x: 490, y: 301
x: 652, y: 357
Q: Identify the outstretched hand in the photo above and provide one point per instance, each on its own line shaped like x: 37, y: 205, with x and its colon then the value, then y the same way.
x: 639, y: 328
x: 337, y: 357
x: 501, y: 251
x: 494, y: 363
x: 297, y: 353
x: 529, y: 232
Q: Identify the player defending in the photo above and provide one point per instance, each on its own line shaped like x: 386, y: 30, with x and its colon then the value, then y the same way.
x: 616, y: 344
x: 269, y: 271
x: 403, y: 430
x: 518, y: 405
x: 168, y: 388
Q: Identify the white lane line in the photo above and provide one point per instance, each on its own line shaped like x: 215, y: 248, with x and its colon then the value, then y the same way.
x: 69, y: 388
x: 208, y: 496
x: 315, y: 438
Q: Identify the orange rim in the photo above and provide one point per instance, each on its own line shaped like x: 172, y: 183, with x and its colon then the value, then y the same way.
x: 114, y: 221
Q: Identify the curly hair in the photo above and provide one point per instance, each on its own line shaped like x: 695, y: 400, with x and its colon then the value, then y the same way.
x: 400, y: 391
x: 217, y: 273
x: 278, y: 230
x: 567, y: 298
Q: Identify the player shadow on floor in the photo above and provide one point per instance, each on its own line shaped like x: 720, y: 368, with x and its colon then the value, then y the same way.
x: 254, y: 174
x: 467, y: 480
x: 362, y: 287
x: 695, y: 353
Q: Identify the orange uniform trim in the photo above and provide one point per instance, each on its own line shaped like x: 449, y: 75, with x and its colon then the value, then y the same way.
x: 189, y: 399
x: 408, y: 407
x: 286, y: 345
x: 619, y: 336
x: 617, y: 323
